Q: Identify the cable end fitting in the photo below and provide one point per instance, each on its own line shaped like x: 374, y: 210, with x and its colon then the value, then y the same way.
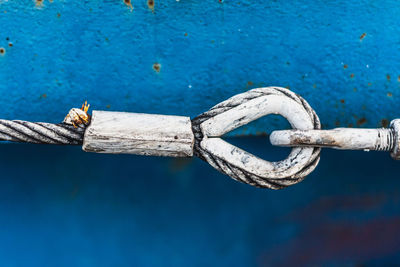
x: 395, y: 126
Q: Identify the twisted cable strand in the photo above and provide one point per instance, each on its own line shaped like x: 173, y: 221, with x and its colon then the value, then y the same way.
x: 41, y: 132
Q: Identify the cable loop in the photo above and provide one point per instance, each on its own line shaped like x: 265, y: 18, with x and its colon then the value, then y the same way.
x: 242, y: 109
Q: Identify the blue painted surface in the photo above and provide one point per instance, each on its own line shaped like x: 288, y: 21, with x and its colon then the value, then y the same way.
x: 65, y: 52
x: 60, y: 206
x: 65, y: 207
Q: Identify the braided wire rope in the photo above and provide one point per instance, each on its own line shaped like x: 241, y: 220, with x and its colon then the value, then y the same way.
x: 41, y: 132
x: 240, y: 174
x: 67, y: 134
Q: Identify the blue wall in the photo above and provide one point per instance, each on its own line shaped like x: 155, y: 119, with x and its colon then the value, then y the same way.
x: 342, y: 56
x: 60, y: 206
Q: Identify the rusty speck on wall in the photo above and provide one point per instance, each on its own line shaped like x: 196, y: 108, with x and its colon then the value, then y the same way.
x: 157, y: 67
x: 128, y: 3
x: 150, y: 4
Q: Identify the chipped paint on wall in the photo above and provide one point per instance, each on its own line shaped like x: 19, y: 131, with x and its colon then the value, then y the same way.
x: 100, y: 52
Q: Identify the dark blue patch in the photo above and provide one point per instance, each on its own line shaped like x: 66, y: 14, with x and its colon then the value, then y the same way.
x: 61, y: 206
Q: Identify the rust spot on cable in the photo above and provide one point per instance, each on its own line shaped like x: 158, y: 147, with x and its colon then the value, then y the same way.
x: 151, y: 4
x: 10, y: 44
x: 345, y: 66
x: 361, y: 121
x: 157, y: 67
x: 389, y: 94
x: 352, y: 75
x: 363, y: 36
x: 388, y: 77
x: 342, y: 101
x: 2, y: 50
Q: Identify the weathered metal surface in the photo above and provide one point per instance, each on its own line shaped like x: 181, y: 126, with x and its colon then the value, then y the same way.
x: 343, y: 138
x: 395, y: 125
x: 166, y: 135
x: 241, y: 109
x: 137, y: 133
x: 181, y: 57
x: 339, y: 138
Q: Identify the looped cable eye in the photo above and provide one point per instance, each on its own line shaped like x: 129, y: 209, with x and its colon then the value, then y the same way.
x: 178, y: 136
x: 242, y: 109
